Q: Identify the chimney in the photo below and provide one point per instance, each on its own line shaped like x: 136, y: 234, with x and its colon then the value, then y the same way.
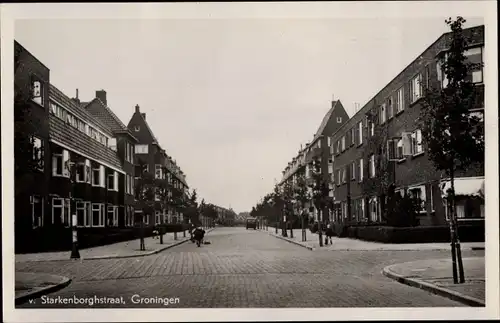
x: 101, y: 95
x: 76, y: 99
x: 137, y: 109
x: 143, y: 116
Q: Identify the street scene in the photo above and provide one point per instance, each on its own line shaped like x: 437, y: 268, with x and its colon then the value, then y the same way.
x: 251, y: 163
x: 248, y: 268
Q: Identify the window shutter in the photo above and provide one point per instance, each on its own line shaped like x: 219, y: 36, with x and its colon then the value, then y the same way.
x: 102, y: 176
x: 116, y: 181
x: 65, y: 163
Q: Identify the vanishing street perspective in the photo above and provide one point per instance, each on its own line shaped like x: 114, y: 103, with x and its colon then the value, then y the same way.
x: 382, y: 206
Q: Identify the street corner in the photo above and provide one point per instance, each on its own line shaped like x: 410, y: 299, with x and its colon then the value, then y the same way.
x: 29, y: 286
x: 414, y: 274
x: 298, y: 243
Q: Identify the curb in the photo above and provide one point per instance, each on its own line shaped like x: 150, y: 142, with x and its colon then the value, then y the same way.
x: 455, y: 296
x: 149, y: 253
x: 291, y: 241
x: 42, y: 291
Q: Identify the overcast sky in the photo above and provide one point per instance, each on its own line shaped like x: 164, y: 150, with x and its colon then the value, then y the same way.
x: 230, y: 100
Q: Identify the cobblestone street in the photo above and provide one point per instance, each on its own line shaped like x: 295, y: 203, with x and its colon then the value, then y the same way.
x: 243, y: 268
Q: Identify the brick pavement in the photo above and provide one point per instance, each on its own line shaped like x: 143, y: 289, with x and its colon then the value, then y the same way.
x: 247, y: 269
x: 312, y: 242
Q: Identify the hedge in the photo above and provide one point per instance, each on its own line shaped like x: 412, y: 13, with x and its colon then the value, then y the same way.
x: 420, y: 234
x: 59, y: 239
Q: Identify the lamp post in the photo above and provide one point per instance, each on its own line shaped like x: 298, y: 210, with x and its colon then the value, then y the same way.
x: 75, y: 254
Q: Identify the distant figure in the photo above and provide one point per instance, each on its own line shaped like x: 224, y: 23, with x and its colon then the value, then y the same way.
x: 329, y: 233
x: 198, y: 235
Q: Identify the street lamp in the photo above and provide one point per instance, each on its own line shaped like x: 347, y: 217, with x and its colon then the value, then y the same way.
x: 75, y: 254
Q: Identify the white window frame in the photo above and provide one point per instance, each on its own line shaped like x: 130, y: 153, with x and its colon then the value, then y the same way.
x: 329, y: 141
x: 390, y: 108
x: 82, y: 205
x: 94, y: 169
x: 416, y: 144
x: 372, y: 173
x: 114, y: 175
x: 141, y: 149
x: 100, y: 208
x: 113, y: 210
x: 55, y: 158
x: 372, y: 128
x: 344, y: 174
x: 112, y: 144
x: 353, y: 136
x: 361, y: 169
x: 383, y: 113
x: 37, y: 91
x: 374, y: 207
x: 158, y: 171
x: 416, y: 88
x: 400, y: 100
x: 34, y: 222
x: 80, y: 170
x: 360, y: 133
x: 353, y: 171
x: 343, y: 143
x: 338, y: 175
x: 423, y: 196
x: 38, y: 151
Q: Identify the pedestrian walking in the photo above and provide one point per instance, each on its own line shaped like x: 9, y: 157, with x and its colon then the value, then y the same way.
x: 329, y: 233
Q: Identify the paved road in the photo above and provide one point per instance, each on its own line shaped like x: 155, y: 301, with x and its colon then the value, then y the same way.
x: 244, y: 269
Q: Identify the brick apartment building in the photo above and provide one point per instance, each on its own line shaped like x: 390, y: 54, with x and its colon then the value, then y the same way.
x: 153, y: 157
x: 360, y: 147
x: 85, y: 163
x: 318, y: 149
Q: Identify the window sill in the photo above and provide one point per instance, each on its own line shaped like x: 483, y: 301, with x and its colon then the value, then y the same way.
x: 416, y: 101
x: 418, y: 154
x: 401, y: 161
x: 399, y: 112
x: 112, y: 190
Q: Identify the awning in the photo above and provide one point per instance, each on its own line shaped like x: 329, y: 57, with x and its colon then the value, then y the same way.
x: 464, y: 186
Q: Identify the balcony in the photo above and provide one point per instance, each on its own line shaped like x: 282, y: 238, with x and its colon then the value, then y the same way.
x: 313, y: 154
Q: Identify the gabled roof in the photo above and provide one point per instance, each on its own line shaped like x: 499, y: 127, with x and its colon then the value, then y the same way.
x: 74, y: 108
x: 100, y: 110
x: 326, y: 118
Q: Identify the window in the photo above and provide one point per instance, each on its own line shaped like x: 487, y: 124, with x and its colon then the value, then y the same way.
x: 329, y: 141
x: 98, y: 174
x: 59, y: 161
x: 141, y: 149
x: 374, y: 209
x: 137, y: 128
x: 81, y: 126
x: 37, y: 91
x: 353, y: 171
x: 157, y: 217
x: 97, y: 215
x: 361, y: 169
x: 127, y: 184
x: 158, y: 172
x: 83, y: 214
x: 416, y: 88
x: 112, y: 215
x: 112, y: 144
x: 344, y: 174
x: 80, y: 173
x: 113, y: 181
x: 474, y: 56
x: 390, y: 109
x: 418, y: 192
x: 338, y: 176
x: 360, y: 133
x: 88, y: 172
x: 343, y: 143
x: 395, y: 149
x: 337, y: 150
x: 427, y: 76
x: 37, y: 211
x: 416, y: 142
x: 353, y: 136
x: 372, y: 129
x: 372, y: 166
x: 339, y: 119
x: 38, y: 153
x: 146, y: 219
x: 400, y: 100
x: 382, y: 113
x: 61, y: 211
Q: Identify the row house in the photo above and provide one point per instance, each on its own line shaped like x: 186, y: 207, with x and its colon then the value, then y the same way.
x: 153, y: 158
x: 317, y: 150
x: 80, y: 159
x: 381, y: 145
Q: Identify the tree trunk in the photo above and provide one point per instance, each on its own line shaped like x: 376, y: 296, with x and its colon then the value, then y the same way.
x: 455, y: 230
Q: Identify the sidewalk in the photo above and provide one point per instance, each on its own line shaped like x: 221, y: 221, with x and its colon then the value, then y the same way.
x: 346, y: 244
x: 33, y: 285
x: 123, y: 249
x: 436, y: 277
